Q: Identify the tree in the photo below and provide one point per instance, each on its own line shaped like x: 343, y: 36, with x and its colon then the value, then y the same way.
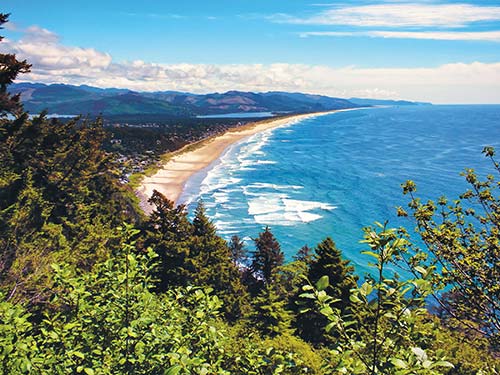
x: 238, y: 251
x: 168, y: 231
x: 304, y: 254
x: 193, y: 254
x: 270, y: 314
x: 202, y: 225
x: 214, y: 268
x: 462, y: 239
x: 326, y: 261
x: 267, y: 256
x: 59, y: 198
x: 10, y: 68
x: 392, y: 338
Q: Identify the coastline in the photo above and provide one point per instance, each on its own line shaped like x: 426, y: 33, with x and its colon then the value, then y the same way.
x: 171, y: 178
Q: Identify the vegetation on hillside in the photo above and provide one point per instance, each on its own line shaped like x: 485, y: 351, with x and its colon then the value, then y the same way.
x: 90, y: 286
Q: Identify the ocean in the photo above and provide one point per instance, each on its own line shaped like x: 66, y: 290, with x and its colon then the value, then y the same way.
x: 334, y: 174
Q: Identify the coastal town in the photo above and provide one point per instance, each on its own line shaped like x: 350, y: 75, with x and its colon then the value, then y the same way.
x: 139, y: 146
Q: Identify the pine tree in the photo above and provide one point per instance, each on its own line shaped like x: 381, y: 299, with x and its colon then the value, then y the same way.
x: 327, y: 261
x: 304, y: 254
x: 10, y: 68
x: 201, y: 223
x: 267, y: 256
x: 59, y: 198
x: 270, y: 314
x: 168, y: 231
x: 214, y: 268
x: 193, y: 254
x: 238, y: 251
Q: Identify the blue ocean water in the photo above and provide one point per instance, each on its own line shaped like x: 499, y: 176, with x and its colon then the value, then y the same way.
x: 334, y: 174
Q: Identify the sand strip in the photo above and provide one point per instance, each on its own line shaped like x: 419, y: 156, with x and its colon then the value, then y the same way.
x: 172, y: 176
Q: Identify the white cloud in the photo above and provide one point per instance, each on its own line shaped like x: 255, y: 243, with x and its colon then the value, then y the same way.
x: 490, y: 36
x: 51, y: 58
x: 452, y: 83
x: 399, y: 15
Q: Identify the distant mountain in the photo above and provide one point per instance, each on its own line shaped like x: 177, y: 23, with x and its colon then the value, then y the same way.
x: 72, y: 100
x: 364, y: 102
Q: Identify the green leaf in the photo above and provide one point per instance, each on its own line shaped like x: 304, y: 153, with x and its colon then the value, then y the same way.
x: 443, y: 364
x: 323, y: 283
x: 421, y: 270
x: 371, y: 253
x: 174, y: 370
x: 399, y: 363
x: 89, y: 371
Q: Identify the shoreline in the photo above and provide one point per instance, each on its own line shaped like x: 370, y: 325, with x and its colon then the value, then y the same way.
x: 172, y: 176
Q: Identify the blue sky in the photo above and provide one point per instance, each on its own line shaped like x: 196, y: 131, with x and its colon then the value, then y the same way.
x: 444, y: 51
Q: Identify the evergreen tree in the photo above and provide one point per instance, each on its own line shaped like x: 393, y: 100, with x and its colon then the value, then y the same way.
x: 202, y: 225
x: 10, y: 68
x: 304, y: 254
x: 193, y: 254
x: 168, y: 231
x: 267, y: 256
x: 212, y: 259
x: 270, y: 314
x: 238, y: 251
x: 59, y: 198
x: 327, y: 261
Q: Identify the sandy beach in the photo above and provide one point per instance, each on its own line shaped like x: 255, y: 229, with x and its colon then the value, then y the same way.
x: 172, y: 176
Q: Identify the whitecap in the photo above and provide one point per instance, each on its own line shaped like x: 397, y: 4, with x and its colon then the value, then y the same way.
x: 302, y: 206
x: 278, y: 209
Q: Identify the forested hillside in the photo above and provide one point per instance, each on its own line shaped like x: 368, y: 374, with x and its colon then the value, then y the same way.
x: 71, y: 100
x: 89, y: 285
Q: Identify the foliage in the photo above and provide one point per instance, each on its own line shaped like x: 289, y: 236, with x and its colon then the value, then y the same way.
x: 327, y: 260
x: 18, y: 347
x: 168, y: 299
x: 462, y: 238
x: 270, y: 314
x: 193, y: 254
x: 109, y: 321
x: 170, y: 231
x: 10, y: 68
x: 390, y: 309
x: 238, y: 251
x: 249, y: 353
x: 470, y: 355
x: 214, y: 268
x: 267, y: 256
x: 58, y: 195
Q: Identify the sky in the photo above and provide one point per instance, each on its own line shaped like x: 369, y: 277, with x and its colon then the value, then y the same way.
x: 430, y: 50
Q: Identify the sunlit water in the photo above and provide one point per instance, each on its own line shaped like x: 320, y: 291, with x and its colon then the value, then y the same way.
x: 334, y: 174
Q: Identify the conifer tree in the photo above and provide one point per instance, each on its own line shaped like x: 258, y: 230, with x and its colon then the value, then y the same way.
x: 58, y: 196
x: 304, y: 254
x: 212, y: 259
x: 238, y: 251
x: 201, y: 223
x: 193, y: 254
x: 270, y: 314
x: 10, y: 68
x: 169, y: 232
x: 267, y: 256
x: 327, y: 261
